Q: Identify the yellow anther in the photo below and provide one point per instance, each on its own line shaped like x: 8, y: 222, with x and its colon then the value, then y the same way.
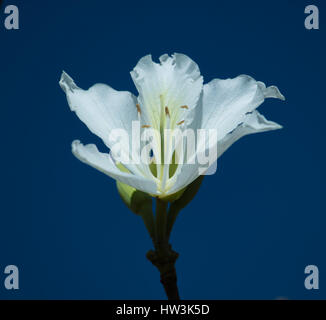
x: 138, y: 108
x: 181, y: 122
x: 145, y: 126
x: 184, y: 107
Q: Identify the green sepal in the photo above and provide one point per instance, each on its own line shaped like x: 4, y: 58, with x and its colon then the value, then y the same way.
x: 173, y: 197
x: 187, y: 195
x: 138, y: 202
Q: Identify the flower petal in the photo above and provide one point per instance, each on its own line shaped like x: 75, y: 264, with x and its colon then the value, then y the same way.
x: 175, y: 83
x: 187, y: 174
x: 253, y: 123
x: 103, y: 162
x: 100, y: 107
x: 226, y: 102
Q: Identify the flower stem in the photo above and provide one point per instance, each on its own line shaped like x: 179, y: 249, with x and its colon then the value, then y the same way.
x: 165, y: 263
x: 163, y: 257
x: 161, y: 216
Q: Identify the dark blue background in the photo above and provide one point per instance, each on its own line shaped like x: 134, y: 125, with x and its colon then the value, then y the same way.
x: 253, y: 226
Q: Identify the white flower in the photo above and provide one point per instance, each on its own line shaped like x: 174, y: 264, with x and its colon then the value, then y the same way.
x: 171, y: 95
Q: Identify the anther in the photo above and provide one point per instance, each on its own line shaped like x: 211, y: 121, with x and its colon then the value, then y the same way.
x: 184, y: 107
x: 138, y: 108
x: 145, y: 126
x: 167, y: 111
x: 181, y: 122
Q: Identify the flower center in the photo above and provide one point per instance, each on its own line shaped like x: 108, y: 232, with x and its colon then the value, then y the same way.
x: 164, y: 120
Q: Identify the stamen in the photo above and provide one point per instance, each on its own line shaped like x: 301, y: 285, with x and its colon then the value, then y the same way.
x: 184, y: 107
x: 181, y: 122
x: 167, y: 111
x: 138, y: 108
x: 145, y: 126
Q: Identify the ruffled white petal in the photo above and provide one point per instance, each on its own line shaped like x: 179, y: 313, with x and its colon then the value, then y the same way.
x: 103, y: 162
x: 104, y: 109
x: 236, y: 114
x: 226, y: 102
x: 174, y: 82
x: 100, y: 107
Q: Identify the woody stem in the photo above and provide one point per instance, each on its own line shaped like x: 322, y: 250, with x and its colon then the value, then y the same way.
x: 163, y: 257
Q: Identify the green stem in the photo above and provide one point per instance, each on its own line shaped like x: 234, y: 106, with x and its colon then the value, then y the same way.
x: 163, y: 257
x: 147, y: 216
x: 171, y: 217
x: 161, y: 215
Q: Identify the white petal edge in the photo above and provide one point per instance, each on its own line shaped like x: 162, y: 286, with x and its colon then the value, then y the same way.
x: 226, y: 102
x: 100, y: 107
x: 103, y: 162
x: 254, y: 122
